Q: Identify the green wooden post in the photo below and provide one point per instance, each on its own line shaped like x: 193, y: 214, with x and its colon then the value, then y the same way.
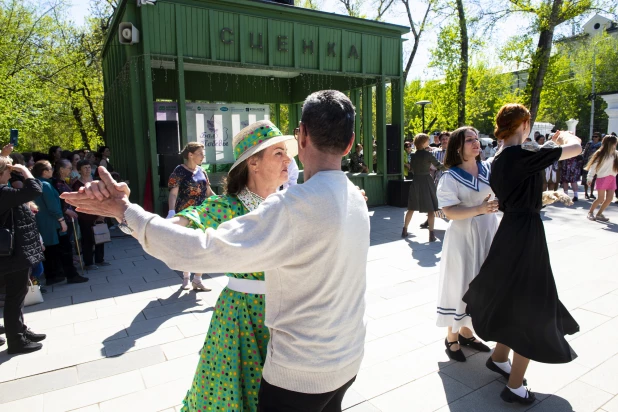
x: 355, y: 96
x: 182, y: 106
x: 397, y: 112
x: 367, y: 127
x: 277, y: 115
x: 138, y: 131
x: 151, y: 130
x: 293, y: 118
x: 381, y: 131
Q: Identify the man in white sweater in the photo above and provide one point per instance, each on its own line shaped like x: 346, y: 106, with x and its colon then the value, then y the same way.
x: 311, y: 241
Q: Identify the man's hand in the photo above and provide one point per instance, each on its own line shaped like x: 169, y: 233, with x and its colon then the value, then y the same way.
x: 101, y: 198
x: 104, y: 189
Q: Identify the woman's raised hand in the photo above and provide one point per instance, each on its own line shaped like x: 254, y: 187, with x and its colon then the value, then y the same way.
x: 488, y: 206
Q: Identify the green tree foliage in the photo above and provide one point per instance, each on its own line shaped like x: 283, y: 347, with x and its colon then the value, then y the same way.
x: 50, y: 77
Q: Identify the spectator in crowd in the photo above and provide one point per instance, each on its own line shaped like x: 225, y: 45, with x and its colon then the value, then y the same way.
x: 422, y: 194
x: 440, y: 154
x: 94, y: 255
x: 74, y: 175
x: 603, y: 165
x: 54, y: 230
x: 589, y: 149
x: 54, y: 154
x: 407, y: 152
x: 357, y: 161
x: 189, y: 186
x: 436, y: 140
x: 28, y: 160
x: 539, y: 138
x: 81, y: 153
x: 16, y: 216
x: 36, y: 156
x: 17, y: 180
x: 105, y: 152
x: 90, y: 157
x: 571, y: 173
x: 375, y: 156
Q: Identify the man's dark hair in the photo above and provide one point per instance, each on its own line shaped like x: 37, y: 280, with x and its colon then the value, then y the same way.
x: 328, y: 116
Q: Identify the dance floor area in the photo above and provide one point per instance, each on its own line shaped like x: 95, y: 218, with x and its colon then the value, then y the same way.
x: 128, y: 340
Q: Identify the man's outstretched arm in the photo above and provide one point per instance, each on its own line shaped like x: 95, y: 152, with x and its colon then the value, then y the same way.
x: 251, y: 243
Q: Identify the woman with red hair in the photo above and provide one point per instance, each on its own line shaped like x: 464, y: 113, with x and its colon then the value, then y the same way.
x: 513, y: 300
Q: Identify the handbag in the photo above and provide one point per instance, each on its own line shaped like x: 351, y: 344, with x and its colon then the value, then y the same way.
x: 7, y: 238
x: 101, y: 234
x: 34, y: 295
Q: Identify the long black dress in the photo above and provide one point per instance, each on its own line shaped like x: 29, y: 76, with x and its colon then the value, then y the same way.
x: 514, y: 300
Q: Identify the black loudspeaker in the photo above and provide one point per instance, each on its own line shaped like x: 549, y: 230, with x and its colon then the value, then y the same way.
x: 397, y: 193
x: 167, y: 137
x: 393, y: 150
x: 167, y: 164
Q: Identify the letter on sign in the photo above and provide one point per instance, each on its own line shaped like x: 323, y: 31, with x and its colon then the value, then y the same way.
x: 281, y: 43
x: 353, y: 52
x: 307, y: 46
x: 222, y: 35
x: 259, y: 44
x: 331, y: 49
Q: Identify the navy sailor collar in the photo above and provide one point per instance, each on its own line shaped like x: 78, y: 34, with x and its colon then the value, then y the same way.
x: 467, y: 179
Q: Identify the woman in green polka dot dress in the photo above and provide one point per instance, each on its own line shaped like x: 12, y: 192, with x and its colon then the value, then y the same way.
x: 229, y: 371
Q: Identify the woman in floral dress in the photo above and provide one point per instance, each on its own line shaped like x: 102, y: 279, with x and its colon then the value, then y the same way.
x: 229, y: 371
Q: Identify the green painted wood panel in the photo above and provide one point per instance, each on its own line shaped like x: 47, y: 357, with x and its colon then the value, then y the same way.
x: 223, y: 21
x: 352, y: 53
x: 330, y: 49
x: 196, y: 35
x: 255, y: 33
x: 307, y: 37
x: 161, y: 22
x: 392, y: 60
x: 372, y: 47
x: 283, y: 42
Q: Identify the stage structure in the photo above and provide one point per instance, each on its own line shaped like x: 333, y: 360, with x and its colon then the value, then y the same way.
x: 195, y: 70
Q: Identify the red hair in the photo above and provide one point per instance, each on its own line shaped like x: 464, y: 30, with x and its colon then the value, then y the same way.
x: 509, y: 118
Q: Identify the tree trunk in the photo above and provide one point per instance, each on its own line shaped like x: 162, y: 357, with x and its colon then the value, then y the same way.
x: 77, y: 115
x: 93, y: 112
x: 463, y: 65
x: 540, y: 62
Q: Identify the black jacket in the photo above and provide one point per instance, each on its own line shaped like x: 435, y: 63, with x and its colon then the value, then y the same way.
x: 28, y: 250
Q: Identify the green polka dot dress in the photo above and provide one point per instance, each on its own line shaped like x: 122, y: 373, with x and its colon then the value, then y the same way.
x: 229, y: 371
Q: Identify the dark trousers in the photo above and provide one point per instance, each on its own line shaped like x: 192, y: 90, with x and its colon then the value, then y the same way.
x: 52, y: 265
x: 88, y: 245
x: 274, y: 399
x: 16, y: 290
x: 59, y: 260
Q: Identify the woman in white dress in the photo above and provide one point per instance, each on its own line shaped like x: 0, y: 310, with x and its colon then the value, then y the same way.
x: 464, y: 195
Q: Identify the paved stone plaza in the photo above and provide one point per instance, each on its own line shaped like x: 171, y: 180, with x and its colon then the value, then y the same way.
x: 128, y: 340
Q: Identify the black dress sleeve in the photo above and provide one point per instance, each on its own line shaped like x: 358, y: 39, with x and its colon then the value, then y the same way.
x: 534, y: 162
x: 12, y: 197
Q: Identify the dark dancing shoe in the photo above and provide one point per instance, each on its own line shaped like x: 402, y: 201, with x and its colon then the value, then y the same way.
x: 510, y: 397
x: 23, y: 345
x: 2, y: 341
x: 575, y: 199
x: 586, y: 196
x: 34, y: 337
x: 469, y: 342
x: 404, y: 232
x: 495, y: 368
x: 593, y: 197
x: 456, y: 355
x: 432, y: 237
x: 425, y: 225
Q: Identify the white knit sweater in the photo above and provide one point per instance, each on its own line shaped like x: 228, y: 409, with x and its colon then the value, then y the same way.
x: 312, y: 242
x: 606, y: 168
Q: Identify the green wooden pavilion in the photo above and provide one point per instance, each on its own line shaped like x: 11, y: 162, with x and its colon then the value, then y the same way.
x: 248, y: 52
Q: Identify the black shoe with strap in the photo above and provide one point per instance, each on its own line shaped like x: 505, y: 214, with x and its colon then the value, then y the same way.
x: 23, y: 345
x: 456, y: 355
x: 495, y: 368
x: 34, y: 337
x: 425, y: 225
x: 471, y: 343
x: 508, y: 396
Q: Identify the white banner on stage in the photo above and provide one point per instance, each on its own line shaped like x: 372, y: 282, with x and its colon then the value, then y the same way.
x: 215, y: 125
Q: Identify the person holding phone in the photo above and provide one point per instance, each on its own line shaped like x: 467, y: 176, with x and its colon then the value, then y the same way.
x: 16, y: 216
